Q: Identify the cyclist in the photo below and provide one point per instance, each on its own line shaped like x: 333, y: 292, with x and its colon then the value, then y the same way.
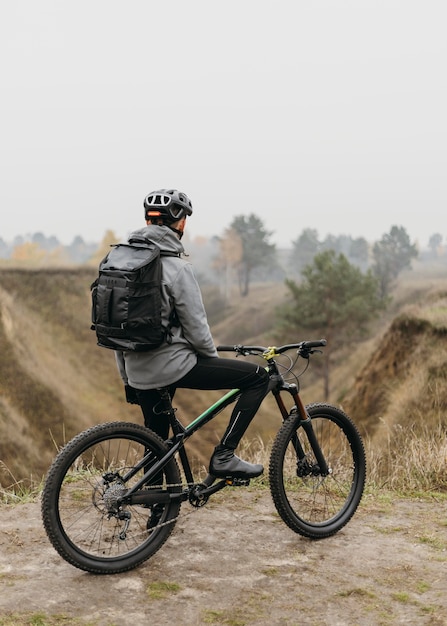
x: 188, y: 359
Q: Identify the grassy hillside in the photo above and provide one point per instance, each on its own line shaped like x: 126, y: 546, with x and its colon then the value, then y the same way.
x: 55, y: 381
x: 399, y: 396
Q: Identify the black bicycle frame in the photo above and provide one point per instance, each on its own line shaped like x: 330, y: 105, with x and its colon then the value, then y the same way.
x: 175, y: 444
x: 182, y: 433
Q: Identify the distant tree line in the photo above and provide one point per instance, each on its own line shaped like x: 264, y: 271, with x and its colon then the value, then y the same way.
x: 38, y: 247
x: 246, y: 252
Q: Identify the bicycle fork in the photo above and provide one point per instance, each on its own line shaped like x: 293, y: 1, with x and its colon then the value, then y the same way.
x: 306, y: 424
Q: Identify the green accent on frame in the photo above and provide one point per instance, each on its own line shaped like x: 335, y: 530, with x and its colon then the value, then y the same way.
x: 213, y: 407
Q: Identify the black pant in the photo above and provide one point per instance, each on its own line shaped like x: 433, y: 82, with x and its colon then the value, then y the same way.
x: 213, y: 374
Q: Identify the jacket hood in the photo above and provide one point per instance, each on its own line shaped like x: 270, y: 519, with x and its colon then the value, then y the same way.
x: 162, y: 236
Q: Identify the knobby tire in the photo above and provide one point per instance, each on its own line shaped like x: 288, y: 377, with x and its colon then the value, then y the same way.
x: 78, y: 497
x: 311, y: 504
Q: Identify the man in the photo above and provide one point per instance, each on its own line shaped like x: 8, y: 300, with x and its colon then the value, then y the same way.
x: 188, y: 359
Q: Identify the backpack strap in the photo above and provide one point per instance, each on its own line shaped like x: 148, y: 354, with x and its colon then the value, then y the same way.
x: 142, y: 240
x: 162, y: 253
x: 173, y: 318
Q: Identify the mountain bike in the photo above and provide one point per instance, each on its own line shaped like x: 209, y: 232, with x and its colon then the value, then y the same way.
x: 112, y: 495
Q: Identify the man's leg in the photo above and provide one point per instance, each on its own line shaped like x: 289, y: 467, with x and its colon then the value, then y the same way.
x: 252, y: 380
x: 152, y: 407
x: 153, y: 411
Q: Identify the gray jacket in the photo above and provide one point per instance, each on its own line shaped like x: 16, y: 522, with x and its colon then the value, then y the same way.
x: 171, y: 361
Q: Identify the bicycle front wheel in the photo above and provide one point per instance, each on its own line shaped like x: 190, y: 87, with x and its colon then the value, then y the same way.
x: 81, y: 501
x: 311, y: 503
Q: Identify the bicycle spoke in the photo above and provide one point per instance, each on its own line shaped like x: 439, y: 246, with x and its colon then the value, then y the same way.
x: 84, y: 514
x: 313, y: 504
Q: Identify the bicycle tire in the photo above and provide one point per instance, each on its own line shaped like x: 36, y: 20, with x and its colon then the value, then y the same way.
x: 311, y: 504
x: 81, y: 486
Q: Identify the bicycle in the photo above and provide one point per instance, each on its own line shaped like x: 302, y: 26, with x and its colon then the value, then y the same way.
x: 113, y: 493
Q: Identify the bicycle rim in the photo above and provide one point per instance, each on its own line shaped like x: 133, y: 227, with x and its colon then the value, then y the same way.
x: 313, y: 505
x: 80, y: 502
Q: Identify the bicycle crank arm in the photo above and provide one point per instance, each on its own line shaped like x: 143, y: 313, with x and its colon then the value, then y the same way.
x: 208, y: 486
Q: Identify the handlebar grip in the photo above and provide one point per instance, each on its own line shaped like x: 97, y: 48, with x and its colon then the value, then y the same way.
x: 315, y: 344
x: 226, y: 348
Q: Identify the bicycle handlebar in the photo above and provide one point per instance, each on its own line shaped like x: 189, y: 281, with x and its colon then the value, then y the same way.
x: 304, y: 348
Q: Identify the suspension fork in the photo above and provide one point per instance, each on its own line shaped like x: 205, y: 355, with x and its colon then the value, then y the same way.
x: 306, y: 423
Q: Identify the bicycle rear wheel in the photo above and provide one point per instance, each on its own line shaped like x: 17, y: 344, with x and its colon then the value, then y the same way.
x: 81, y: 508
x: 312, y: 504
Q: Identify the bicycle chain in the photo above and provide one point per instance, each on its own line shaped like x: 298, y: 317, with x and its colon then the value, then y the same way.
x: 173, y: 520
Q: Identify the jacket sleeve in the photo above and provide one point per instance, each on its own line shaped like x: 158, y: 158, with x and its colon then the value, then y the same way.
x: 191, y: 312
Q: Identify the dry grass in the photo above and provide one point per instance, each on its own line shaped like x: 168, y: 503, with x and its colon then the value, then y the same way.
x: 414, y: 460
x: 25, y: 490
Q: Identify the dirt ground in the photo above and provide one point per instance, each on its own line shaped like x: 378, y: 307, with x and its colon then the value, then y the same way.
x: 234, y: 562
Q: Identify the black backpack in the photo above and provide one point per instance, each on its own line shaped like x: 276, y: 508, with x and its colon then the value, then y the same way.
x: 126, y: 297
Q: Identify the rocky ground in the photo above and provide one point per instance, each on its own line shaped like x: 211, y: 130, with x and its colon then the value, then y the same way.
x: 234, y: 562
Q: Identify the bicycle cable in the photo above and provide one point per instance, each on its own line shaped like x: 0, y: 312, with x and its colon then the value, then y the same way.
x: 288, y: 373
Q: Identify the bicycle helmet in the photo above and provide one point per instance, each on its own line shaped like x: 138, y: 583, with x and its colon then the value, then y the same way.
x: 168, y: 205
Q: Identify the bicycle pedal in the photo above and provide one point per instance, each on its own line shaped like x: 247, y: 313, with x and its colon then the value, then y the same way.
x: 238, y: 482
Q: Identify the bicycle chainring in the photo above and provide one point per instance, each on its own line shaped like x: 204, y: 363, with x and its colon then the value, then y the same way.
x: 197, y: 498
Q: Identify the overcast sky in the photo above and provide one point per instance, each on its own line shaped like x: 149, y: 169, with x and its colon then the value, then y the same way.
x: 324, y: 114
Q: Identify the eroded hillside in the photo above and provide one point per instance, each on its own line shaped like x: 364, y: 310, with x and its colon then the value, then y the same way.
x: 55, y: 381
x: 403, y: 384
x: 52, y: 380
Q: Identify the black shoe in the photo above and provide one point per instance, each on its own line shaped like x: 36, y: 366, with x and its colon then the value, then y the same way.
x: 155, y: 516
x: 224, y: 463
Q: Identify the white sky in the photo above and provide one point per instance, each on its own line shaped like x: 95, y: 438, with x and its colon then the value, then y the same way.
x: 325, y: 114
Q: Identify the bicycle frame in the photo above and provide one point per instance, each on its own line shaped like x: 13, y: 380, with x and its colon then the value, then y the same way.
x: 176, y: 444
x: 138, y: 495
x: 89, y: 496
